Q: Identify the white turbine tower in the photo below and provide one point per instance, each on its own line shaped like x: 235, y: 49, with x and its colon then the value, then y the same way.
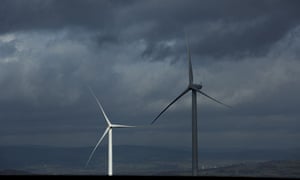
x: 108, y: 131
x: 194, y: 88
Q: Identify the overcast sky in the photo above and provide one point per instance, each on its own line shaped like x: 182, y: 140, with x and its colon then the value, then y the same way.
x: 133, y: 55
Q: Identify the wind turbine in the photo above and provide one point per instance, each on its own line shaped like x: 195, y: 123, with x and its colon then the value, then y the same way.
x: 108, y: 131
x: 194, y: 88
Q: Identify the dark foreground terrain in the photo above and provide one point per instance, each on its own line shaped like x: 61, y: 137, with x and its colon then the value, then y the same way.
x: 282, y: 169
x: 149, y: 161
x: 269, y: 169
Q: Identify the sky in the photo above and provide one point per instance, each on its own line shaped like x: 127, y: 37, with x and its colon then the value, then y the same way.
x: 133, y: 55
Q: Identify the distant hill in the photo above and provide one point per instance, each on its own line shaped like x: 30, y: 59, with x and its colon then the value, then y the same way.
x: 267, y: 169
x: 131, y: 160
x: 278, y: 169
x: 14, y: 172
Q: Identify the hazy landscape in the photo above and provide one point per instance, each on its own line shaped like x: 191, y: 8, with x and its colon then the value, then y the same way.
x: 149, y: 161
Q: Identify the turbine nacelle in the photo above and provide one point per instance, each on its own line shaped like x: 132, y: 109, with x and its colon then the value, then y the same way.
x: 195, y: 86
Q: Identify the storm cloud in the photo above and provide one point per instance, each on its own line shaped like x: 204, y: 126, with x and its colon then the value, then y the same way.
x: 133, y: 54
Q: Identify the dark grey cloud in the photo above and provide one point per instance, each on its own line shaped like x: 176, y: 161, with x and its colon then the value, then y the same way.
x: 7, y: 49
x: 132, y: 53
x: 217, y: 29
x: 52, y: 14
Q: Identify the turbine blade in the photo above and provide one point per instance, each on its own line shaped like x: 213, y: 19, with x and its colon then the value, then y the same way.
x: 184, y: 92
x: 91, y: 155
x: 189, y: 61
x: 121, y: 126
x: 101, y: 108
x: 201, y: 92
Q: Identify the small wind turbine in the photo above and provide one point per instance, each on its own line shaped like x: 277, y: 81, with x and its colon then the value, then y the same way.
x: 108, y: 131
x: 194, y: 88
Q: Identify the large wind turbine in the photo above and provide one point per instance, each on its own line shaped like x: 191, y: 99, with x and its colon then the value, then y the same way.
x: 108, y: 131
x: 194, y: 88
